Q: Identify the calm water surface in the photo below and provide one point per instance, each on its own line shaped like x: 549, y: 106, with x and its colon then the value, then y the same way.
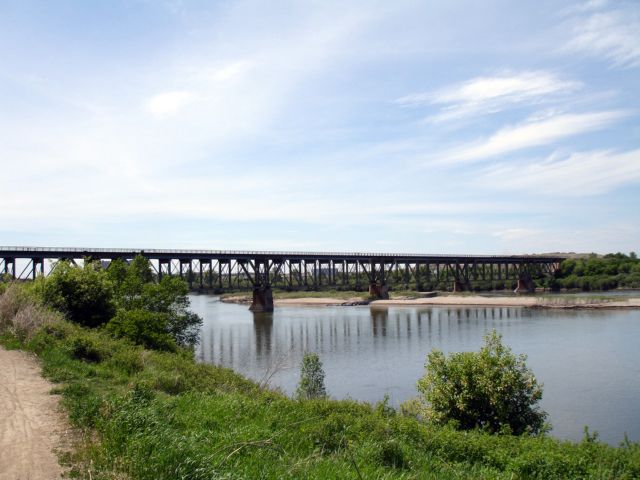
x: 589, y: 360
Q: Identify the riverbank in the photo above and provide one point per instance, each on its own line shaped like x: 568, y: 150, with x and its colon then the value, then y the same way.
x: 531, y: 301
x: 160, y: 415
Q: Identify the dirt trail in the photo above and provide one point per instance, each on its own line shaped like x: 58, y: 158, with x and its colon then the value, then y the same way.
x: 31, y: 425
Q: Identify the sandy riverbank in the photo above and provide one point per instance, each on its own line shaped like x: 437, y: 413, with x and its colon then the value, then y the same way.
x: 525, y: 301
x: 456, y: 300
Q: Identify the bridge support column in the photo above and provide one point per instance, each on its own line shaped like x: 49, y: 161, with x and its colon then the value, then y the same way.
x: 379, y: 291
x: 262, y: 299
x: 458, y: 286
x: 525, y: 285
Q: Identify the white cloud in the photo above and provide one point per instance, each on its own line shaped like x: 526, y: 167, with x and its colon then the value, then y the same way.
x: 231, y: 71
x: 580, y: 174
x: 483, y: 95
x: 530, y: 134
x: 168, y: 102
x: 613, y: 34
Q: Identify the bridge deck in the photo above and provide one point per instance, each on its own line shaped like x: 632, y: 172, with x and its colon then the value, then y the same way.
x: 230, y: 270
x: 112, y: 253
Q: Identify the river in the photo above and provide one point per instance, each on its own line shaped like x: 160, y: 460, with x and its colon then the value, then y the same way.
x: 588, y: 360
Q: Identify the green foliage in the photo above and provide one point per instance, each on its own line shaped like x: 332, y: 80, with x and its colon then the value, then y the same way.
x: 85, y: 347
x: 615, y: 270
x: 143, y: 327
x: 84, y: 295
x: 311, y: 378
x: 159, y: 415
x: 492, y: 390
x: 155, y: 315
x: 135, y: 291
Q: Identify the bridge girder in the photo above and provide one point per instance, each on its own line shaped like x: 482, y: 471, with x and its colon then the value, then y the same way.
x: 235, y: 270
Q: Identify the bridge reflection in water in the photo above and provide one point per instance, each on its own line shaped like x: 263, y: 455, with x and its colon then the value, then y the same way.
x: 588, y: 360
x: 256, y: 344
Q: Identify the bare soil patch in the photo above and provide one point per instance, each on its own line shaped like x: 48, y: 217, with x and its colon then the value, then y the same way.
x: 31, y: 424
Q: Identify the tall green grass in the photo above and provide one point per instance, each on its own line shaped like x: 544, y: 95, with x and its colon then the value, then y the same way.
x: 156, y: 415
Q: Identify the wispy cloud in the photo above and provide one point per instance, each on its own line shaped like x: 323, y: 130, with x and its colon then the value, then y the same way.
x: 225, y: 124
x: 484, y: 95
x: 580, y: 174
x: 529, y: 134
x: 612, y: 34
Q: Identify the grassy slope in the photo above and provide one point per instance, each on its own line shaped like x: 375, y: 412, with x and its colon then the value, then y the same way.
x: 152, y: 415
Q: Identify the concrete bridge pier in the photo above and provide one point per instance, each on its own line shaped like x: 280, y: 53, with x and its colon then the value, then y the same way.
x: 525, y: 285
x: 459, y: 286
x: 262, y: 299
x: 379, y: 291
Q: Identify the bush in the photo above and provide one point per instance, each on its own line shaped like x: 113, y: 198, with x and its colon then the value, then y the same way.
x: 155, y: 315
x: 135, y: 290
x: 21, y: 315
x: 87, y: 348
x: 491, y: 390
x: 84, y: 295
x: 142, y: 327
x: 311, y: 378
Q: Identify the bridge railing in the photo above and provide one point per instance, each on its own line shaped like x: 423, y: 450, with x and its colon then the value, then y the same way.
x: 178, y: 252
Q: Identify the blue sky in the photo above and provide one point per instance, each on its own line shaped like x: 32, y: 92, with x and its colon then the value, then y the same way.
x: 405, y: 126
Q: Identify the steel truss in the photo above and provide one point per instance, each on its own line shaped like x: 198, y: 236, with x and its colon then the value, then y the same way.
x: 222, y: 271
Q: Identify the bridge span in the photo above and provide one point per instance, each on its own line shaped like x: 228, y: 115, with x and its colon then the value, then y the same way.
x: 223, y: 270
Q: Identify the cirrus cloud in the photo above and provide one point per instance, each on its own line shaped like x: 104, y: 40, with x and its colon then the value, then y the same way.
x: 530, y: 134
x: 484, y: 95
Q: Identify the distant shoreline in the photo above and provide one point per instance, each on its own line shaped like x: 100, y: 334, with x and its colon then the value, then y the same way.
x: 453, y: 300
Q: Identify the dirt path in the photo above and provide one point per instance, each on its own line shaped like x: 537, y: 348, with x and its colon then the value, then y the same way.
x: 31, y: 425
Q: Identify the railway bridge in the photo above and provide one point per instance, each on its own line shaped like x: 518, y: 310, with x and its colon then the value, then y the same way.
x: 223, y: 270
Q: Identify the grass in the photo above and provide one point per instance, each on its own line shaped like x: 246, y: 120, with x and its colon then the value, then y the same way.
x: 153, y: 415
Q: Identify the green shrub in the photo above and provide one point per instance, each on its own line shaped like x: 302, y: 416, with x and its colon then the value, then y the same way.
x: 84, y: 347
x: 311, y: 378
x: 84, y: 295
x: 491, y: 389
x: 142, y: 327
x: 155, y: 315
x: 136, y: 290
x: 391, y: 454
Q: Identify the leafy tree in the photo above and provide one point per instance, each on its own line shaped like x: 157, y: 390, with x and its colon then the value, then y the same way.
x: 84, y: 295
x: 594, y: 273
x: 491, y: 389
x: 311, y: 378
x: 168, y: 297
x: 136, y: 290
x: 148, y: 313
x: 143, y: 328
x: 129, y: 279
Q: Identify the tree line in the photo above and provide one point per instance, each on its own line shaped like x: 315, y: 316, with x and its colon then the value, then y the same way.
x: 595, y: 273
